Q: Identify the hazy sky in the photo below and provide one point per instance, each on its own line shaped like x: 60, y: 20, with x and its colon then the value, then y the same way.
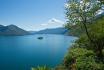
x: 31, y: 14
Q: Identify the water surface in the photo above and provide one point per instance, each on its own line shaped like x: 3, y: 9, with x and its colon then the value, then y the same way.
x: 24, y: 52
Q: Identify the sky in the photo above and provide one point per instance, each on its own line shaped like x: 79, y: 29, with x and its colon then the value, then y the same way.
x: 32, y: 14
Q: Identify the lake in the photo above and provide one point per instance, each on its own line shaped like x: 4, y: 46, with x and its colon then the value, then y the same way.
x: 24, y: 52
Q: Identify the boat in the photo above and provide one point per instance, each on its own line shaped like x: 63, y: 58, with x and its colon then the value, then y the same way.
x: 40, y: 37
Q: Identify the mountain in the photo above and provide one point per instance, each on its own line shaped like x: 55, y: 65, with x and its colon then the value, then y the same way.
x: 59, y: 30
x: 12, y: 30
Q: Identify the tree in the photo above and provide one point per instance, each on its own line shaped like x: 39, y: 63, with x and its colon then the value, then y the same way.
x: 84, y: 13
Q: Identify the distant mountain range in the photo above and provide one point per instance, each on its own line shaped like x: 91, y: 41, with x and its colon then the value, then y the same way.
x: 59, y: 30
x: 12, y: 30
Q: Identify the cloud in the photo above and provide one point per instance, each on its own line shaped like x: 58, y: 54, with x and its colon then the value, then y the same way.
x: 53, y: 22
x: 43, y: 24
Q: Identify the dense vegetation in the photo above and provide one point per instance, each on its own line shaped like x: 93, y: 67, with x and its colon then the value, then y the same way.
x: 87, y: 53
x: 83, y: 55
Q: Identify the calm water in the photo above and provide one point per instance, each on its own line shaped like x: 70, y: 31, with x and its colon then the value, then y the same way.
x: 24, y: 52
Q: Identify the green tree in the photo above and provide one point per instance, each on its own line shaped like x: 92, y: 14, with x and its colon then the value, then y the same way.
x: 83, y: 13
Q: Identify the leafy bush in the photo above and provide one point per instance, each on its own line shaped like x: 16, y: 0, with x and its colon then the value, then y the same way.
x: 82, y: 59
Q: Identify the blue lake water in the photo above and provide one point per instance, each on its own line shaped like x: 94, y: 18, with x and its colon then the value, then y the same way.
x: 24, y: 52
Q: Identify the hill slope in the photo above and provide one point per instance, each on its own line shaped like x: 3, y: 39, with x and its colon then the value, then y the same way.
x: 12, y: 30
x: 52, y: 31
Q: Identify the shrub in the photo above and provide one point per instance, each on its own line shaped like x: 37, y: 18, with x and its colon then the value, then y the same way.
x: 82, y: 59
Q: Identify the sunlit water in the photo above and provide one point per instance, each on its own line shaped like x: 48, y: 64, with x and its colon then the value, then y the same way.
x: 24, y: 52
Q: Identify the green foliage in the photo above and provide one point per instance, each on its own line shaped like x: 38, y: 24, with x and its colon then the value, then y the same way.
x: 75, y: 30
x: 60, y: 67
x: 87, y: 52
x: 41, y: 68
x: 80, y: 12
x: 97, y: 29
x: 85, y: 59
x: 97, y: 34
x: 83, y: 52
x: 88, y: 63
x: 75, y: 53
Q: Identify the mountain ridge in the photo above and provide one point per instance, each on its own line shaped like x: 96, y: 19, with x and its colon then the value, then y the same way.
x: 59, y: 30
x: 12, y: 30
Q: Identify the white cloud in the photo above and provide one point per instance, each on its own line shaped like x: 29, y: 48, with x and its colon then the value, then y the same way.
x: 43, y: 24
x: 55, y: 21
x: 52, y: 23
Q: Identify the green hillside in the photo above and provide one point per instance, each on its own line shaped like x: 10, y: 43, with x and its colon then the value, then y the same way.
x: 77, y: 30
x: 83, y: 55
